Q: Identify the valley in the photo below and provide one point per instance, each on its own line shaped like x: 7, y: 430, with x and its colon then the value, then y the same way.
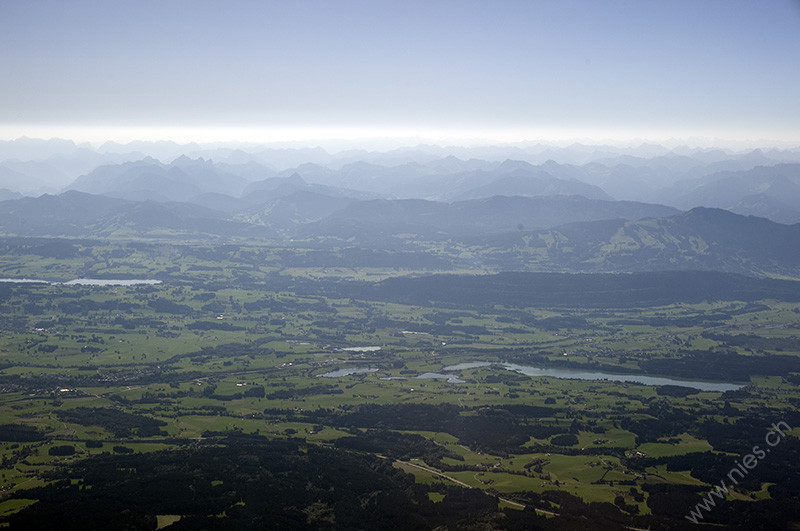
x: 235, y: 354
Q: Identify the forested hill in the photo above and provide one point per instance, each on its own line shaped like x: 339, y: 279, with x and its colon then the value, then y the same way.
x: 567, y: 290
x: 706, y: 239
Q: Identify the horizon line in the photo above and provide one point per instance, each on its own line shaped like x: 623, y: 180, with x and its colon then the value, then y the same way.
x: 352, y: 137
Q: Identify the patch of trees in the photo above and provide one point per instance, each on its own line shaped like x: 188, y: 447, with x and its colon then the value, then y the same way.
x: 744, y: 429
x: 196, y: 267
x: 565, y: 439
x: 487, y: 429
x: 214, y: 307
x: 203, y: 297
x: 507, y: 378
x: 438, y: 328
x: 136, y: 322
x: 90, y: 349
x: 780, y: 466
x: 675, y: 390
x: 363, y: 257
x: 398, y: 416
x: 162, y: 305
x: 688, y: 319
x: 574, y: 513
x: 737, y: 437
x: 19, y: 433
x: 82, y: 306
x: 663, y: 421
x: 562, y: 321
x: 288, y: 394
x: 395, y: 445
x: 44, y: 247
x: 755, y: 342
x: 255, y: 391
x: 226, y: 350
x: 287, y: 306
x: 214, y: 325
x: 119, y: 449
x: 727, y: 366
x: 676, y: 501
x: 118, y: 422
x: 665, y: 499
x: 62, y: 450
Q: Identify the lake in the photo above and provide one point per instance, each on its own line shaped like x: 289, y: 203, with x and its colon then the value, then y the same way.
x: 425, y: 376
x: 102, y: 282
x: 582, y: 374
x: 345, y: 372
x: 436, y: 375
x: 84, y: 282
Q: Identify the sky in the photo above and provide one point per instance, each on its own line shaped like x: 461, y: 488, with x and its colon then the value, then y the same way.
x: 496, y: 70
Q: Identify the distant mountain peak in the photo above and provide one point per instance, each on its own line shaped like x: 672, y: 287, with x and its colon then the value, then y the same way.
x: 146, y: 161
x: 512, y: 165
x: 296, y: 178
x: 184, y: 160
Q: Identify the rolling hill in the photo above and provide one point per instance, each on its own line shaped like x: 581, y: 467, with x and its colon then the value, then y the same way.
x: 499, y: 233
x: 79, y: 215
x: 700, y: 239
x: 377, y: 219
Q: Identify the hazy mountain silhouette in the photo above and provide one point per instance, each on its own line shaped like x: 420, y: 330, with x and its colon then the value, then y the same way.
x: 740, y: 191
x: 431, y: 219
x: 767, y: 206
x: 77, y: 214
x: 701, y: 239
x: 287, y: 213
x: 6, y: 194
x: 276, y: 187
x: 148, y: 178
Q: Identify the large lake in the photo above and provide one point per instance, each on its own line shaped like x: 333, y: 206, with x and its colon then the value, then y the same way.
x: 85, y: 282
x: 582, y: 374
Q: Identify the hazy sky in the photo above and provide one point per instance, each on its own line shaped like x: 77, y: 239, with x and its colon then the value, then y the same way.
x: 510, y: 70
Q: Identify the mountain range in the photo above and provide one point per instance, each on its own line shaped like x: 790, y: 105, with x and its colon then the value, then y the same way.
x: 599, y: 209
x: 680, y: 177
x: 770, y: 191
